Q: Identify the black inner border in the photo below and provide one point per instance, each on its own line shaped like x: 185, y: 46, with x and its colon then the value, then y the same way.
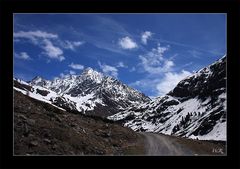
x: 231, y: 7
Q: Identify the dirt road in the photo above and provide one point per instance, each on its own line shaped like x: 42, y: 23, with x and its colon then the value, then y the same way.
x: 162, y: 145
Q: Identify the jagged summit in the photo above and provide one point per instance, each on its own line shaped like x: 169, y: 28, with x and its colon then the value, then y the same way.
x: 89, y: 70
x: 90, y: 92
x: 87, y: 73
x: 37, y: 78
x: 92, y: 74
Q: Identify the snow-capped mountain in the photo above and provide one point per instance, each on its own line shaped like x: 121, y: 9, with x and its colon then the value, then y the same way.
x: 90, y: 92
x: 195, y: 108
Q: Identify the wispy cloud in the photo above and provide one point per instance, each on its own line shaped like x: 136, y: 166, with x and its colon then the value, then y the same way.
x: 153, y: 62
x: 65, y: 74
x: 43, y: 40
x: 100, y: 42
x: 192, y: 48
x: 195, y: 53
x: 34, y: 36
x: 145, y: 36
x: 109, y: 70
x: 109, y: 25
x: 147, y: 84
x: 186, y: 65
x: 187, y: 46
x: 62, y: 75
x: 105, y: 27
x: 71, y: 72
x: 127, y: 43
x: 51, y: 43
x: 52, y: 51
x: 71, y: 44
x: 121, y: 65
x: 132, y: 69
x: 23, y: 56
x: 76, y: 66
x: 160, y: 77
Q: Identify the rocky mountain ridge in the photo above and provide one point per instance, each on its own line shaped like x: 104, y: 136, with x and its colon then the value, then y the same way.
x: 195, y: 108
x: 90, y: 92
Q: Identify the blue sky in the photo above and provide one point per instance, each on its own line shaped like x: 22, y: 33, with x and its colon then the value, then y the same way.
x: 150, y: 52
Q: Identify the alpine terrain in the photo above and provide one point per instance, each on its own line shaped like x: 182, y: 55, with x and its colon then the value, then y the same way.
x: 195, y: 108
x: 92, y: 113
x: 88, y: 93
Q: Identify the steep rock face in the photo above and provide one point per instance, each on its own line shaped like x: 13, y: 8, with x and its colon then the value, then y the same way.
x: 195, y: 108
x: 209, y: 81
x: 90, y: 93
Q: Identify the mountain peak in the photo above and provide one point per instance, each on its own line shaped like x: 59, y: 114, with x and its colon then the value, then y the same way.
x: 89, y: 70
x: 38, y: 80
x: 37, y: 77
x: 92, y: 74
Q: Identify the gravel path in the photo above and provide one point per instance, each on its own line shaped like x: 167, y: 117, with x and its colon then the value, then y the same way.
x: 161, y: 145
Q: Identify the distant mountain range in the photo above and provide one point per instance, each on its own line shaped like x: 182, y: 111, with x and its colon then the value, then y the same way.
x: 195, y: 108
x: 88, y: 93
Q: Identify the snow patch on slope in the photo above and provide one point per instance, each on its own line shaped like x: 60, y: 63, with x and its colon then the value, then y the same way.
x: 37, y: 97
x: 218, y: 133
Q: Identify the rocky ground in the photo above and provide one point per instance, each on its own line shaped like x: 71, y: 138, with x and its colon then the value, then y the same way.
x: 41, y: 129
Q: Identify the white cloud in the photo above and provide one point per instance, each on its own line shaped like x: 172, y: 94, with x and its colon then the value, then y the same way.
x: 76, y: 66
x: 22, y: 55
x: 132, y: 69
x: 62, y: 75
x: 147, y: 84
x: 145, y: 36
x: 122, y: 65
x: 66, y: 74
x: 153, y: 62
x: 52, y: 51
x: 158, y: 86
x: 34, y: 35
x: 72, y: 72
x: 44, y: 41
x: 168, y: 64
x: 39, y: 34
x: 72, y: 44
x: 109, y: 70
x: 187, y: 64
x: 127, y: 43
x: 170, y: 80
x: 195, y: 53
